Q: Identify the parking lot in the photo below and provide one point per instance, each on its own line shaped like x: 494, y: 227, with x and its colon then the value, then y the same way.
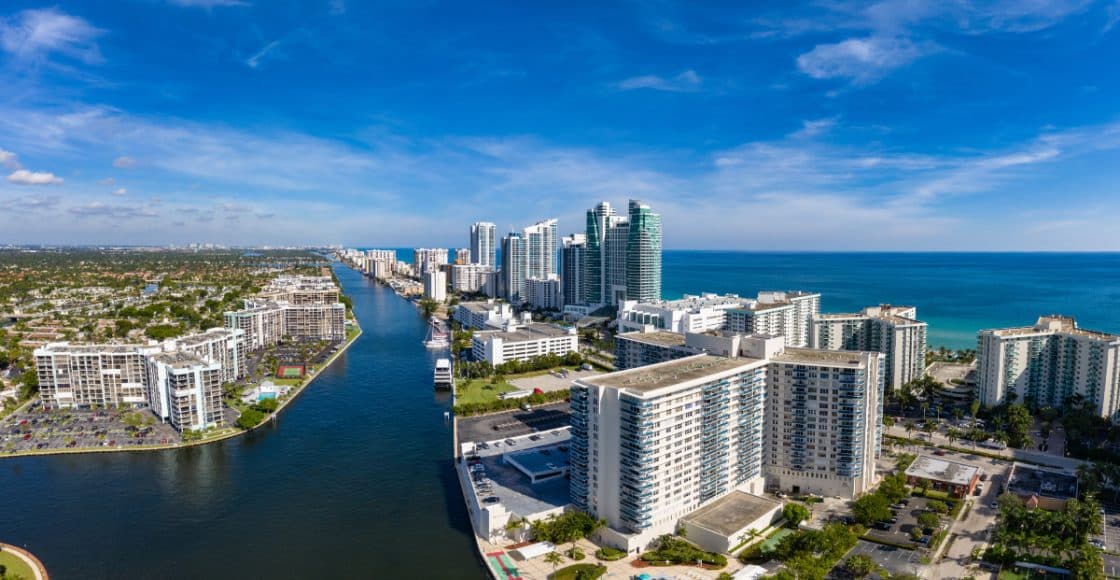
x: 896, y: 561
x: 907, y: 516
x: 1111, y: 565
x: 514, y: 423
x: 553, y: 381
x: 1110, y: 530
x: 35, y: 430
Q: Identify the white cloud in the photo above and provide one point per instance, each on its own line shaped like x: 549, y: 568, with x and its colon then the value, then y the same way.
x: 124, y: 163
x: 861, y: 60
x: 686, y: 82
x: 25, y: 177
x: 120, y: 191
x: 813, y: 128
x: 8, y: 159
x: 34, y: 34
x: 208, y: 3
x: 255, y: 60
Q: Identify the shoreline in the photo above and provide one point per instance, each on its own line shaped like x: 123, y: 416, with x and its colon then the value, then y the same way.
x: 216, y: 439
x: 28, y: 558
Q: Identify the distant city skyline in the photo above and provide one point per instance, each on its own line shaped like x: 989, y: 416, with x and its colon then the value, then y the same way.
x: 894, y: 125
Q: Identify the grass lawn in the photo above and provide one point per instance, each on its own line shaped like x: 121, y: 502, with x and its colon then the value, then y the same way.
x: 772, y: 542
x: 480, y: 391
x: 569, y: 572
x: 16, y: 567
x: 288, y: 382
x: 1009, y: 575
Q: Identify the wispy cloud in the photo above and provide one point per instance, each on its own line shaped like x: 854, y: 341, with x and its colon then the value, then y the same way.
x: 120, y: 191
x: 861, y: 60
x: 36, y: 34
x: 25, y: 177
x: 9, y: 160
x: 98, y: 208
x: 686, y: 82
x: 124, y: 162
x: 255, y: 60
x: 209, y: 3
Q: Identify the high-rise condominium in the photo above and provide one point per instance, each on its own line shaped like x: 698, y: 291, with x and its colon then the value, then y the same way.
x: 483, y: 249
x: 894, y: 331
x: 643, y: 253
x: 652, y: 444
x: 540, y: 250
x: 1046, y: 364
x: 573, y: 268
x: 513, y: 267
x: 623, y: 254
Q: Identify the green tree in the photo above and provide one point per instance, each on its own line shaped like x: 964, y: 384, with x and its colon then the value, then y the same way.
x: 250, y: 418
x: 428, y: 306
x: 937, y: 506
x: 795, y: 513
x: 1019, y: 423
x: 860, y: 565
x: 974, y: 407
x: 553, y: 558
x: 871, y: 508
x: 928, y: 520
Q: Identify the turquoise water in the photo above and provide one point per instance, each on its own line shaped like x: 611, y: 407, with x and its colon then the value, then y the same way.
x: 956, y: 293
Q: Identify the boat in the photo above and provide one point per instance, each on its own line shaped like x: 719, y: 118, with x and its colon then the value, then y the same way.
x: 438, y: 336
x: 443, y: 378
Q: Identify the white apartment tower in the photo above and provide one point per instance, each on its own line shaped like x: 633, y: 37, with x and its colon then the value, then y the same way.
x: 787, y: 314
x: 894, y: 331
x: 185, y: 390
x: 1045, y: 364
x: 483, y: 250
x: 652, y: 444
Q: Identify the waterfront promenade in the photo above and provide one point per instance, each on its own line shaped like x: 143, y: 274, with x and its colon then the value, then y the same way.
x: 32, y: 564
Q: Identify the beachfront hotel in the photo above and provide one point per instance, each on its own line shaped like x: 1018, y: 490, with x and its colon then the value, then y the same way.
x: 1044, y: 364
x: 894, y: 331
x: 653, y: 444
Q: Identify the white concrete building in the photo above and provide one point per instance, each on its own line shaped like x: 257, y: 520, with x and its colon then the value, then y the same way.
x: 1045, y: 364
x: 80, y: 376
x: 688, y: 314
x: 894, y: 331
x: 424, y: 259
x: 185, y: 390
x: 787, y: 314
x: 435, y: 285
x: 226, y: 346
x: 543, y: 293
x: 483, y: 248
x: 523, y: 342
x: 824, y: 421
x: 488, y: 315
x: 469, y: 278
x: 651, y: 445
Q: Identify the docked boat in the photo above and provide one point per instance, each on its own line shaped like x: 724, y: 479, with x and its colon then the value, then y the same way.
x: 438, y: 337
x: 443, y: 378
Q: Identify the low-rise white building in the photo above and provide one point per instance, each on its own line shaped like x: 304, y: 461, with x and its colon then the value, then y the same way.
x: 488, y: 315
x: 688, y: 314
x: 543, y: 293
x: 523, y: 342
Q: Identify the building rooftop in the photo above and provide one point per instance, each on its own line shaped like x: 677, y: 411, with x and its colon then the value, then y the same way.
x: 65, y: 347
x: 814, y: 356
x: 659, y: 338
x: 180, y: 360
x: 199, y: 338
x: 527, y: 332
x: 1031, y: 480
x: 1054, y: 324
x: 938, y: 469
x: 667, y: 374
x: 478, y: 306
x: 732, y: 512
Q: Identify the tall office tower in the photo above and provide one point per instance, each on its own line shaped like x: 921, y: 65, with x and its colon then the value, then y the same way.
x: 891, y: 330
x: 601, y: 219
x: 1045, y: 364
x: 540, y: 250
x: 823, y: 421
x: 482, y: 244
x: 643, y: 254
x: 573, y: 266
x: 513, y: 268
x: 652, y: 444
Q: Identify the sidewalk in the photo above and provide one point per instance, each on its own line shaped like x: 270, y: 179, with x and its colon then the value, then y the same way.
x: 28, y: 558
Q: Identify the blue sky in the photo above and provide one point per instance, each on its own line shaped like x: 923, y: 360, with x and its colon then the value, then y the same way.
x: 895, y: 125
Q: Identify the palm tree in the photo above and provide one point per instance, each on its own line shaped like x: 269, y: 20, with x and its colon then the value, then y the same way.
x: 925, y: 409
x: 553, y: 558
x: 910, y: 426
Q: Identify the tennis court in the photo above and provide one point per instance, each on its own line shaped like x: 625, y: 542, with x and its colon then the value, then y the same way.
x: 290, y: 372
x: 502, y: 565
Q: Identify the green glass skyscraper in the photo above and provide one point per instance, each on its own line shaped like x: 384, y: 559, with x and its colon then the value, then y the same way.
x: 643, y: 254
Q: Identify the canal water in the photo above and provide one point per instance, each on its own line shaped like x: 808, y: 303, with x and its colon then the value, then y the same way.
x: 354, y: 480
